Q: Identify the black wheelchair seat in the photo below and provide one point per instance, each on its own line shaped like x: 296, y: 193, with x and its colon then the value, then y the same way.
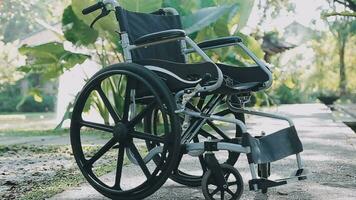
x: 180, y: 76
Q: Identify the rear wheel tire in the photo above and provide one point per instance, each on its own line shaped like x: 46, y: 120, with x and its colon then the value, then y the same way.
x: 125, y: 131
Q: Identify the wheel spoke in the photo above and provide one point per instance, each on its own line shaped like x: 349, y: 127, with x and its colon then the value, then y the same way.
x: 222, y: 194
x: 230, y: 192
x: 232, y: 183
x: 119, y: 165
x: 217, y: 130
x: 97, y: 126
x: 141, y: 115
x: 215, y: 191
x: 139, y: 160
x: 146, y: 136
x: 101, y: 152
x: 227, y: 176
x: 108, y: 105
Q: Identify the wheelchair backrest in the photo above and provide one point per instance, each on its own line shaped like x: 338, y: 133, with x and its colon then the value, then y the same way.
x: 139, y: 24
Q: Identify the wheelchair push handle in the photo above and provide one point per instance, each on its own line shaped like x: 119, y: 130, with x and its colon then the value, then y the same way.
x: 93, y: 8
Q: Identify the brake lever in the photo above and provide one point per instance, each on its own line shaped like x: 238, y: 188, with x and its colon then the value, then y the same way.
x: 104, y: 12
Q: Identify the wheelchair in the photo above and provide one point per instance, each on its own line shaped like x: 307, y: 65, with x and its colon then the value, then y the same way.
x: 158, y: 106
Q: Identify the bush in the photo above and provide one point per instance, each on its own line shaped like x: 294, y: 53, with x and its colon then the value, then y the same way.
x: 8, y: 103
x: 285, y: 95
x: 30, y: 105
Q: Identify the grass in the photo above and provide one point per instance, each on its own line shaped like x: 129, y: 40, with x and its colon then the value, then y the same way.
x: 29, y: 133
x: 60, y: 132
x: 35, y: 149
x: 63, y: 178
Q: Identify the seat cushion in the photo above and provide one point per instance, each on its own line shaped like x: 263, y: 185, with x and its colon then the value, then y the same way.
x: 179, y: 76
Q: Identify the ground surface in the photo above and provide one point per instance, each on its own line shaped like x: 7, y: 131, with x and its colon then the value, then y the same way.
x: 329, y: 154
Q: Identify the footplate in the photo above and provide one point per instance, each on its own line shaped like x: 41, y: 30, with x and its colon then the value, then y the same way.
x: 262, y: 183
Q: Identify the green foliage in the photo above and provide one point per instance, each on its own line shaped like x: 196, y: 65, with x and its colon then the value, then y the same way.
x: 141, y: 5
x: 50, y: 59
x: 203, y: 18
x: 9, y: 60
x: 9, y: 98
x: 287, y: 95
x: 75, y: 30
x: 12, y: 101
x: 30, y: 104
x: 106, y: 26
x: 252, y: 44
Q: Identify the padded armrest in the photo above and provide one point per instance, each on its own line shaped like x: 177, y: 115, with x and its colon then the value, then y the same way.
x: 220, y: 41
x: 159, y: 36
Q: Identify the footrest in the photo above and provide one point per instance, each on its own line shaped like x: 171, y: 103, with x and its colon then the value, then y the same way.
x: 274, y: 146
x: 300, y: 174
x: 264, y: 183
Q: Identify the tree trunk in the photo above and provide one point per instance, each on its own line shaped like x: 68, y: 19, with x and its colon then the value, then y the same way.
x: 343, y: 80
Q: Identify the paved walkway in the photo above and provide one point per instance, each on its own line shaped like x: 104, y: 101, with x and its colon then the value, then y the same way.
x: 329, y: 154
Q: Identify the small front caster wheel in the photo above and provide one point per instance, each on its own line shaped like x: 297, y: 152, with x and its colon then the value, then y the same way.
x: 231, y: 191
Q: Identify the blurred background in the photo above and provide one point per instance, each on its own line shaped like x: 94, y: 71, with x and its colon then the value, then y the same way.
x: 47, y: 50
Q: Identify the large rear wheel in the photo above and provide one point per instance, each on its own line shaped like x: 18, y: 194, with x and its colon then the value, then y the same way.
x: 120, y: 167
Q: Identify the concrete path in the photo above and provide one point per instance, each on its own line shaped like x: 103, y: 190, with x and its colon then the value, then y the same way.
x: 329, y: 154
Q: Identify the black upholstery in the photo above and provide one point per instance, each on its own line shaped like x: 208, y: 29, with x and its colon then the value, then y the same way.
x: 144, y: 27
x: 220, y: 41
x: 140, y: 24
x: 243, y: 78
x: 275, y: 146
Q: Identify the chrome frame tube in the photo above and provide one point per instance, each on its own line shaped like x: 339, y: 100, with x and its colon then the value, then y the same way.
x: 299, y: 161
x: 220, y: 80
x: 258, y: 113
x: 132, y: 107
x: 253, y: 174
x: 261, y: 64
x: 199, y: 147
x: 217, y: 118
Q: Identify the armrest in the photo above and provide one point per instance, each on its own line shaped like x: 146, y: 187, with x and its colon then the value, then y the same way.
x: 159, y: 36
x: 225, y: 41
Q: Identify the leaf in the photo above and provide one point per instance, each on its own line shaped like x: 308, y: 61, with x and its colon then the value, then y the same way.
x: 36, y: 94
x: 108, y: 25
x: 203, y: 18
x: 50, y: 59
x: 146, y: 6
x: 245, y: 8
x: 223, y: 26
x: 252, y: 44
x: 37, y: 98
x: 184, y: 7
x: 105, y: 26
x: 75, y: 30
